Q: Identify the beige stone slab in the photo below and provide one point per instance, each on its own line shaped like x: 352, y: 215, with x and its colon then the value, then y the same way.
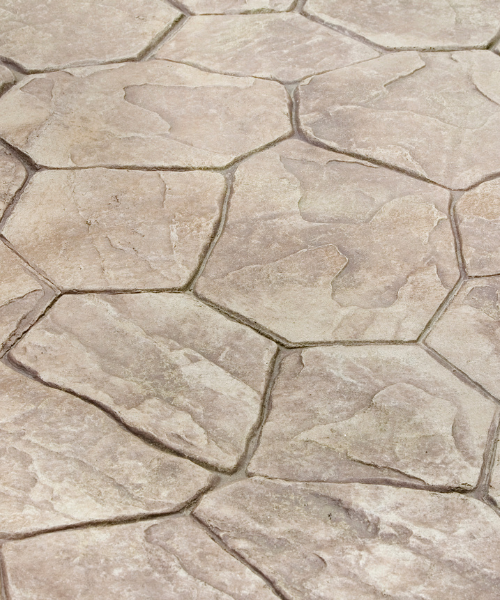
x: 165, y: 559
x: 142, y: 114
x: 64, y: 461
x: 436, y: 115
x: 105, y: 228
x: 12, y: 176
x: 319, y: 247
x: 495, y: 477
x: 468, y: 334
x: 166, y: 364
x: 286, y: 47
x: 63, y: 33
x: 412, y: 24
x: 363, y: 542
x: 208, y: 7
x: 6, y: 78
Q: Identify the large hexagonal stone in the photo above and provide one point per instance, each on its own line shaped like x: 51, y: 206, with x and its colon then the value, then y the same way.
x: 12, y: 176
x: 321, y: 247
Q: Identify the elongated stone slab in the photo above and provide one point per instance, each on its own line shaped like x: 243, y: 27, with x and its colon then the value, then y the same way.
x: 104, y: 228
x: 321, y: 247
x: 166, y: 364
x: 143, y: 114
x: 495, y: 477
x: 366, y: 542
x: 436, y: 115
x: 12, y: 176
x: 286, y: 47
x: 207, y: 7
x: 6, y: 78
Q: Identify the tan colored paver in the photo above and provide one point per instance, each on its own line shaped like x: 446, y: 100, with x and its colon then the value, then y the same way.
x: 166, y: 364
x: 430, y: 25
x: 150, y: 114
x: 12, y: 176
x: 320, y: 247
x: 436, y: 115
x: 322, y: 541
x: 6, y: 78
x: 204, y: 7
x: 63, y: 33
x: 103, y: 228
x: 286, y: 47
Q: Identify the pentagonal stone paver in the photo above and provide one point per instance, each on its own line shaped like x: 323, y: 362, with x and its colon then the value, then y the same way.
x: 6, y: 78
x: 478, y: 214
x: 103, y: 228
x: 286, y: 47
x: 373, y: 412
x: 320, y: 247
x: 434, y: 24
x: 63, y: 33
x: 12, y: 176
x: 166, y: 364
x: 366, y: 542
x: 204, y: 7
x: 436, y: 115
x: 167, y: 559
x: 468, y: 334
x: 153, y: 114
x: 64, y: 461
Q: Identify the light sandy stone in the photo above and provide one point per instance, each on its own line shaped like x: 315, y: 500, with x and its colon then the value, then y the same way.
x: 286, y: 47
x: 320, y: 247
x: 104, y: 228
x: 12, y: 176
x: 436, y: 115
x: 6, y: 78
x: 468, y: 334
x: 167, y: 559
x: 495, y: 476
x: 64, y: 461
x: 363, y: 542
x: 373, y: 413
x: 62, y: 33
x: 166, y: 364
x: 143, y: 114
x: 412, y: 24
x: 210, y: 7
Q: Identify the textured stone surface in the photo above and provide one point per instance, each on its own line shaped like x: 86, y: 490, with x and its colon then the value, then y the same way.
x: 468, y: 334
x: 6, y: 78
x: 165, y: 363
x: 325, y: 541
x: 373, y: 412
x: 434, y: 24
x: 12, y: 176
x: 37, y: 35
x: 436, y: 115
x: 150, y: 114
x: 64, y: 461
x: 495, y: 476
x: 318, y: 247
x: 207, y: 7
x: 103, y: 228
x: 478, y: 213
x: 167, y: 559
x: 286, y: 47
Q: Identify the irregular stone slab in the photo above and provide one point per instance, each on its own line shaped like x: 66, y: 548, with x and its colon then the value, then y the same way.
x: 166, y: 364
x: 6, y: 78
x: 495, y: 477
x: 434, y: 115
x: 286, y: 47
x: 320, y: 247
x: 143, y: 114
x: 208, y: 7
x: 12, y: 176
x: 103, y: 228
x: 366, y: 542
x: 36, y: 35
x: 468, y: 334
x: 373, y: 413
x: 433, y: 25
x: 64, y: 461
x: 167, y: 559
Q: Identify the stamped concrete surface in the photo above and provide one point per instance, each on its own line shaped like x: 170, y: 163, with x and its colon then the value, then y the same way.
x: 249, y: 300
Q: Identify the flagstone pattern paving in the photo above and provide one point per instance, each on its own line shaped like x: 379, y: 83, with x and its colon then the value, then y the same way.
x: 249, y: 299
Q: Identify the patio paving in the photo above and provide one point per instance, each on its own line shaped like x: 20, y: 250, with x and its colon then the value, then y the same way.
x: 249, y: 299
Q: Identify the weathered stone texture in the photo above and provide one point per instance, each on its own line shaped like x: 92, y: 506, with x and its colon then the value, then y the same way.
x: 207, y: 7
x: 12, y: 176
x: 495, y: 476
x: 6, y: 78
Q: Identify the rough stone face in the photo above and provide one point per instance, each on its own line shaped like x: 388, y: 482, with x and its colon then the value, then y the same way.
x: 166, y: 364
x: 286, y: 47
x: 495, y: 477
x: 103, y: 228
x: 435, y: 115
x: 207, y: 7
x: 468, y: 334
x: 373, y: 413
x: 63, y: 33
x: 167, y: 559
x: 434, y: 24
x: 478, y: 213
x: 64, y: 461
x: 324, y: 541
x: 320, y: 247
x: 143, y: 114
x: 12, y: 176
x: 6, y: 78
